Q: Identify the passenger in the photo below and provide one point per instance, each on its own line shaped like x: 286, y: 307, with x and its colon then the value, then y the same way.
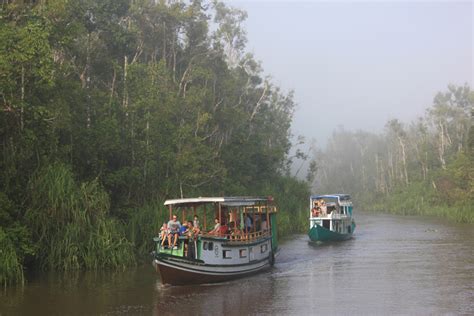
x: 196, y: 221
x: 182, y: 229
x: 164, y: 233
x: 191, y: 233
x: 191, y: 230
x: 323, y: 208
x: 217, y: 226
x: 315, y: 211
x: 173, y: 225
x: 264, y: 224
x: 248, y: 223
x: 234, y: 230
x: 223, y: 229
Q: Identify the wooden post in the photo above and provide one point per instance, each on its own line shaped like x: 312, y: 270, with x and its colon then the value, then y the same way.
x: 183, y: 215
x: 220, y: 213
x: 204, y: 219
x: 268, y: 220
x: 171, y: 211
x: 244, y: 212
x: 254, y: 228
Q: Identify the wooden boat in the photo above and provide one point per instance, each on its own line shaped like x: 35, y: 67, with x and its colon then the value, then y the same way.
x: 331, y: 217
x: 235, y: 250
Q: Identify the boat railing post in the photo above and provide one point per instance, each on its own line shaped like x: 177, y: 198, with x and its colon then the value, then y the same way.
x: 220, y: 213
x: 205, y: 211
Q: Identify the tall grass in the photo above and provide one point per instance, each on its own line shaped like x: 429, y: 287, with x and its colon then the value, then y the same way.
x: 144, y: 224
x: 70, y: 224
x: 418, y: 199
x: 291, y: 197
x: 11, y: 268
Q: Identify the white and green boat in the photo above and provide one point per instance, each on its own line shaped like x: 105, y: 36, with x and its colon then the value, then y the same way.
x: 331, y: 217
x: 244, y: 244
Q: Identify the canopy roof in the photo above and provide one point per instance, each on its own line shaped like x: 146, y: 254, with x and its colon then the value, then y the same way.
x: 341, y: 197
x: 226, y: 201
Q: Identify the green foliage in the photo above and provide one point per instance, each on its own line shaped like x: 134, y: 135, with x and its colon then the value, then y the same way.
x: 291, y: 197
x: 15, y: 243
x: 144, y: 224
x: 109, y: 107
x: 11, y: 267
x: 69, y: 222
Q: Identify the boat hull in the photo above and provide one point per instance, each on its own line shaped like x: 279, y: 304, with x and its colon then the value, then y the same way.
x: 179, y: 272
x: 319, y: 233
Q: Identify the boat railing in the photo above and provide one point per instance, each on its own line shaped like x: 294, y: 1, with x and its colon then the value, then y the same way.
x: 329, y: 216
x: 239, y: 237
x: 259, y: 209
x: 243, y: 237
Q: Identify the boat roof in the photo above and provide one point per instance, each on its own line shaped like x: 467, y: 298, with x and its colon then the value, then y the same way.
x: 227, y: 201
x: 341, y: 197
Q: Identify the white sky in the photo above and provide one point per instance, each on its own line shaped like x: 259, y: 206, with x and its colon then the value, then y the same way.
x: 360, y: 63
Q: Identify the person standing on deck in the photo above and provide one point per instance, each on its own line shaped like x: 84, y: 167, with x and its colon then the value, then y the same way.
x: 196, y: 221
x: 248, y: 223
x: 324, y: 208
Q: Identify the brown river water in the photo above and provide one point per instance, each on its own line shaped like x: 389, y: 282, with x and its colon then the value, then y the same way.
x: 393, y: 265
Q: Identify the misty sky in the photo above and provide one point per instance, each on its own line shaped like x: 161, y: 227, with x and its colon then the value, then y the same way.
x: 358, y: 64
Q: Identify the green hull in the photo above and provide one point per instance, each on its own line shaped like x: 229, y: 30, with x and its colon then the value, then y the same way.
x: 319, y: 233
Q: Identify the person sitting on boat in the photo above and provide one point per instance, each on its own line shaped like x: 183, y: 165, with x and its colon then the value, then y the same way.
x: 233, y: 231
x: 173, y: 225
x: 223, y: 229
x: 217, y: 226
x: 316, y: 211
x: 164, y: 233
x: 183, y: 228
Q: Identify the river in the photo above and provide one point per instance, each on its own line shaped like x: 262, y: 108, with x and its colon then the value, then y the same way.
x: 393, y: 265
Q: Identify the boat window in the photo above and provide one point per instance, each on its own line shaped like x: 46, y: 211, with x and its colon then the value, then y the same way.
x: 243, y: 253
x: 326, y: 223
x: 263, y: 248
x: 210, y: 246
x: 226, y: 254
x: 204, y: 245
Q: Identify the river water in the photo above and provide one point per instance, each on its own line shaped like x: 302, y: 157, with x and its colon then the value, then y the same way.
x: 393, y: 265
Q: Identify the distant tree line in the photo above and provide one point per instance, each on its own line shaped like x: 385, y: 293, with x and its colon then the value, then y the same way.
x: 108, y: 107
x: 422, y: 167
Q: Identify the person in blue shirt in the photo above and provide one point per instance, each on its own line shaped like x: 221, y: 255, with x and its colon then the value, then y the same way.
x: 183, y: 229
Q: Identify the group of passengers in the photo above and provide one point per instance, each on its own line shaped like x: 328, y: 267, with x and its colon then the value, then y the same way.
x: 171, y: 231
x: 234, y: 229
x: 319, y: 208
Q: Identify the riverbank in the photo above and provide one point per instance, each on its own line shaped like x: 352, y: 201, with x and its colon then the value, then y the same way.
x: 407, y: 203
